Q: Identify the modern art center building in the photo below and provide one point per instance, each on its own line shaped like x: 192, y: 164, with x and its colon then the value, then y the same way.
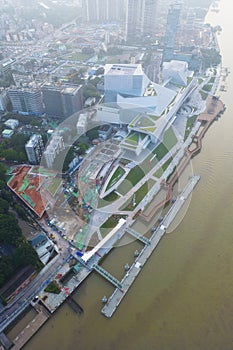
x: 132, y: 100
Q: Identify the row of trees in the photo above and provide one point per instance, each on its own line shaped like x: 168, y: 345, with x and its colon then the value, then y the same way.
x: 17, y: 251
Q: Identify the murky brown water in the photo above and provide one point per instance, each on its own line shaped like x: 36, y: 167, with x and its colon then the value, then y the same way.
x: 183, y: 299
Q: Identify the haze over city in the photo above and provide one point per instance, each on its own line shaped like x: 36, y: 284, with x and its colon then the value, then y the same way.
x: 115, y: 174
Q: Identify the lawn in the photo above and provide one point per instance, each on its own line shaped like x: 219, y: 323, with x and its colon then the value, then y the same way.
x: 207, y: 87
x: 189, y: 125
x: 169, y: 139
x: 78, y: 56
x: 143, y: 122
x: 212, y: 80
x: 135, y: 175
x: 204, y: 95
x: 54, y: 185
x: 119, y: 172
x: 112, y: 197
x: 138, y: 196
x: 164, y: 167
x: 109, y: 224
x: 132, y: 137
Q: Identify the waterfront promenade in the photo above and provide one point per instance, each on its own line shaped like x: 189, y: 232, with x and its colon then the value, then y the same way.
x: 117, y: 296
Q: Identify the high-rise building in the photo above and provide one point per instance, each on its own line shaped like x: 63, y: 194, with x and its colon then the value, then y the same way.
x: 55, y: 146
x: 124, y: 79
x: 173, y: 21
x: 150, y: 16
x: 140, y: 18
x: 72, y: 99
x: 4, y: 99
x: 103, y: 10
x: 62, y: 101
x: 34, y: 149
x: 26, y: 100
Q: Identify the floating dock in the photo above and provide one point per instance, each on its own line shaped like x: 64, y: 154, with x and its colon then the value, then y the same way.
x: 117, y: 296
x: 74, y: 305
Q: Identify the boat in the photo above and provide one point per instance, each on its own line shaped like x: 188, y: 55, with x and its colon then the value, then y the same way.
x: 136, y: 253
x: 104, y: 299
x: 126, y: 267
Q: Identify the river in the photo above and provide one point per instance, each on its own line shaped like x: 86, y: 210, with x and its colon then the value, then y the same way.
x: 183, y: 297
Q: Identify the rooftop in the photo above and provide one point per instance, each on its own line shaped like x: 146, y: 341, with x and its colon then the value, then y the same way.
x: 32, y: 185
x: 7, y: 132
x: 123, y: 69
x: 157, y: 103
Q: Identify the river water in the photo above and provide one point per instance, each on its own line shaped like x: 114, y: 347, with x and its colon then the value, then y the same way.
x: 183, y: 299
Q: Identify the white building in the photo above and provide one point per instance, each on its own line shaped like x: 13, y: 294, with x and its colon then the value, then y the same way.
x: 55, y: 146
x: 12, y: 123
x: 6, y: 134
x: 124, y: 79
x: 34, y: 149
x: 3, y: 100
x: 82, y: 124
x: 176, y: 72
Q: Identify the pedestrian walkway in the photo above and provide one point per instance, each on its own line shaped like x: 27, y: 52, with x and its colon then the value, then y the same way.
x: 108, y: 276
x: 138, y: 236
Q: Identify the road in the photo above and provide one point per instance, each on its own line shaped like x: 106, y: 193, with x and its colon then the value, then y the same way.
x: 22, y: 300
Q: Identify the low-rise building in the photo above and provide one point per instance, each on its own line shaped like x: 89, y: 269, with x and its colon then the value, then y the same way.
x: 12, y: 123
x: 7, y: 133
x: 43, y: 246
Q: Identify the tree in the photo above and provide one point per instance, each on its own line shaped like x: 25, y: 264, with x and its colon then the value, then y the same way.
x: 10, y: 232
x: 21, y: 212
x: 6, y: 195
x: 4, y: 206
x: 92, y: 134
x: 82, y: 148
x: 88, y: 51
x: 2, y: 185
x: 210, y: 58
x: 2, y: 172
x: 90, y: 90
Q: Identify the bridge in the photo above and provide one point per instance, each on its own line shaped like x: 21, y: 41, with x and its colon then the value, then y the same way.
x: 138, y: 236
x: 108, y: 276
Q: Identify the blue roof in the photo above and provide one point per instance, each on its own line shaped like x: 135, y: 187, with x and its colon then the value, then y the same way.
x: 39, y: 238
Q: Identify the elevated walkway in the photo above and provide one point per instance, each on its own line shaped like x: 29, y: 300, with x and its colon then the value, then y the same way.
x: 108, y: 276
x: 138, y: 236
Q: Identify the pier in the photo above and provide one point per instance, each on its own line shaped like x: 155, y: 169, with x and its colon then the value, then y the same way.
x: 25, y: 335
x: 117, y: 296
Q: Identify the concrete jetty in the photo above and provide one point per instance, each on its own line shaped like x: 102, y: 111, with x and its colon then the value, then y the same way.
x: 26, y: 334
x: 117, y: 296
x: 5, y: 341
